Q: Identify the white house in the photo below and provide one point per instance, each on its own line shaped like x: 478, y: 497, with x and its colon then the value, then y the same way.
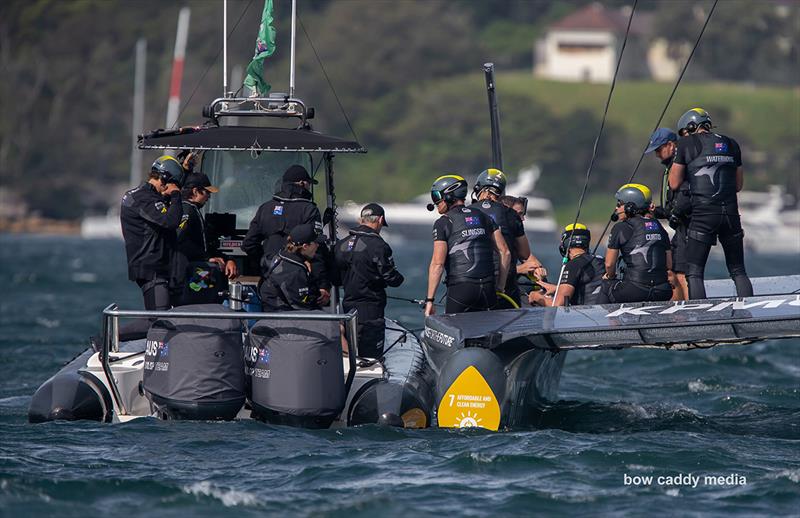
x: 585, y: 44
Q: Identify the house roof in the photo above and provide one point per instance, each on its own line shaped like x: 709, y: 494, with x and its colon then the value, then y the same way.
x: 593, y: 17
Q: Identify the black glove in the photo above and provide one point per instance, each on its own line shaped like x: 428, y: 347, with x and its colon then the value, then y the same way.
x: 661, y: 213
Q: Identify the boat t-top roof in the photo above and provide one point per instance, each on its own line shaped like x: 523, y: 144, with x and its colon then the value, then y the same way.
x: 213, y: 136
x: 247, y: 138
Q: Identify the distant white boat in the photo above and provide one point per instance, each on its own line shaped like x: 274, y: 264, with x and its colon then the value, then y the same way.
x: 102, y: 227
x: 413, y: 220
x: 771, y: 221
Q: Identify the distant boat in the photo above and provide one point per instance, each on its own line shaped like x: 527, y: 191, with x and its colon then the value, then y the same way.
x: 771, y: 221
x: 102, y: 227
x: 413, y: 220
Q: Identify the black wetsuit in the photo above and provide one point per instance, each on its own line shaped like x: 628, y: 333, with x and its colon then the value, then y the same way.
x: 365, y: 267
x: 288, y: 285
x: 678, y: 208
x: 272, y: 223
x: 149, y: 221
x: 511, y: 227
x: 585, y: 274
x: 711, y: 162
x: 470, y: 259
x: 192, y: 247
x: 643, y: 244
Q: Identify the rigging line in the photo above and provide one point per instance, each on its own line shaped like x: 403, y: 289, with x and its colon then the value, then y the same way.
x: 664, y: 111
x: 213, y: 62
x: 596, y: 143
x: 328, y: 79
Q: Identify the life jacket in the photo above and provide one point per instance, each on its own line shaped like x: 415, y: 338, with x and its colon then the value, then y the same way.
x: 712, y: 173
x: 469, y: 245
x: 591, y: 280
x: 502, y: 215
x: 645, y: 252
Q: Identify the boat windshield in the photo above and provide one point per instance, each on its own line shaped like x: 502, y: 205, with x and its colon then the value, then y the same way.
x: 246, y: 180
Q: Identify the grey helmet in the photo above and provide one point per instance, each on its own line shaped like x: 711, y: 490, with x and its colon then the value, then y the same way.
x: 493, y: 179
x: 635, y: 197
x: 169, y: 169
x: 449, y: 188
x: 693, y: 119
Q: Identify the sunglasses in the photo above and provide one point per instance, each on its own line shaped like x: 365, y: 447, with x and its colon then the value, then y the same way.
x: 620, y: 204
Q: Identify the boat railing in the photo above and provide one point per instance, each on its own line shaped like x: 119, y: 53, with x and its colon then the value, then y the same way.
x: 112, y: 315
x: 276, y: 105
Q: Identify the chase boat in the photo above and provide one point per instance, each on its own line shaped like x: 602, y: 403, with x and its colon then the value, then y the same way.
x: 225, y: 361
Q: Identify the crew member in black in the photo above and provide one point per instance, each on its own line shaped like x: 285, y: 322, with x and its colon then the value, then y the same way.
x: 192, y: 243
x: 288, y: 284
x: 582, y: 280
x: 489, y: 186
x: 464, y: 241
x: 676, y: 208
x: 293, y: 205
x: 149, y: 216
x: 644, y: 246
x: 712, y: 164
x: 365, y: 267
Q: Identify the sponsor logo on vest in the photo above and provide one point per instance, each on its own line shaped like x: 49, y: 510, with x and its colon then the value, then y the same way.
x: 719, y: 158
x: 470, y: 232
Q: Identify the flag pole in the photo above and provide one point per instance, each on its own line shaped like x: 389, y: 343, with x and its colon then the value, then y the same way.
x: 224, y: 48
x: 291, y: 66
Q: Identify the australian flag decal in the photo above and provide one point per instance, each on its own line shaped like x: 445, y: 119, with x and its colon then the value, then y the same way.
x: 721, y: 147
x: 472, y: 221
x: 278, y: 210
x: 651, y: 225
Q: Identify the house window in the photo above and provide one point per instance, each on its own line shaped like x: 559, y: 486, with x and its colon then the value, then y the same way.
x: 575, y: 48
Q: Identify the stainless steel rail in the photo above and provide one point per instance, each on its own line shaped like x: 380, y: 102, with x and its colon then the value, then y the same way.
x: 111, y: 316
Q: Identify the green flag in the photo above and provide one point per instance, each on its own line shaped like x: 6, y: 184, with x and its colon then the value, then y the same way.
x: 265, y: 47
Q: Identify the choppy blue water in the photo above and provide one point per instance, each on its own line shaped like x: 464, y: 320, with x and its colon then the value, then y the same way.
x: 730, y: 411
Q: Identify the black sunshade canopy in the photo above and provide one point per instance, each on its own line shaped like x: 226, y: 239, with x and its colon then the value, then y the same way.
x: 244, y: 138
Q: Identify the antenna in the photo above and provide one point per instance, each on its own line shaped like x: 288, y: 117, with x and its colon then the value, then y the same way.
x: 291, y: 61
x: 224, y: 48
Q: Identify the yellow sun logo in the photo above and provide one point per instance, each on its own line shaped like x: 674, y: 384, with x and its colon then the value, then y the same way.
x: 468, y: 421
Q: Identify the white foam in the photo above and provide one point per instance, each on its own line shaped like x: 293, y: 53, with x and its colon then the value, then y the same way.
x: 228, y: 497
x: 84, y: 277
x: 698, y: 386
x: 48, y: 323
x: 791, y: 474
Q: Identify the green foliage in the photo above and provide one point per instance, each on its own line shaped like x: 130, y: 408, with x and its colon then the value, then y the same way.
x: 744, y: 40
x: 408, y: 74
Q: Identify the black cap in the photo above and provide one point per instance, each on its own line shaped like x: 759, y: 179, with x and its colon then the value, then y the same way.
x: 297, y: 173
x: 373, y: 209
x: 200, y: 180
x: 304, y: 234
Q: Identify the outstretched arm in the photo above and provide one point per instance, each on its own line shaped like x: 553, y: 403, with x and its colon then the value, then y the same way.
x: 435, y: 271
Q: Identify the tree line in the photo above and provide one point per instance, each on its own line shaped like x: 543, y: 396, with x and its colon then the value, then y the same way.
x: 404, y: 71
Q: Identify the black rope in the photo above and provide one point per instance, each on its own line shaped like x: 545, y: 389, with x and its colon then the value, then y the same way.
x: 597, y: 139
x: 663, y: 112
x: 213, y: 62
x: 413, y: 301
x: 325, y: 73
